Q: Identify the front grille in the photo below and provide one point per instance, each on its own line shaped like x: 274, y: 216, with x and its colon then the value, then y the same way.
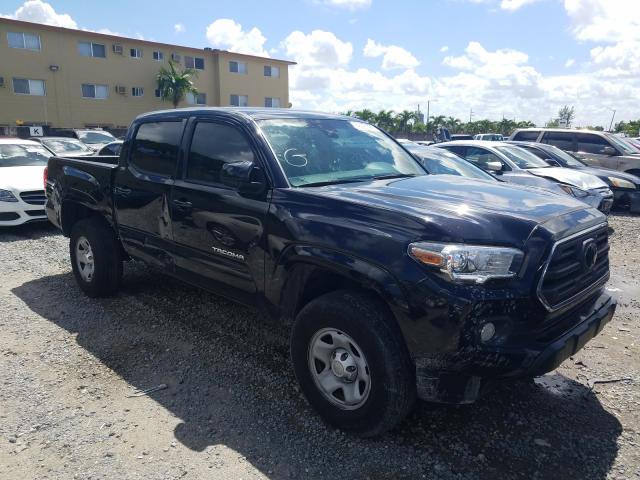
x: 36, y: 197
x: 568, y: 274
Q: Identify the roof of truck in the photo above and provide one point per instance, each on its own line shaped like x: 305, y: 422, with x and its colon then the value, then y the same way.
x: 250, y: 112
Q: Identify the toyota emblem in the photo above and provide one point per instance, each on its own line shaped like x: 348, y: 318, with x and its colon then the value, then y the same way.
x: 589, y: 254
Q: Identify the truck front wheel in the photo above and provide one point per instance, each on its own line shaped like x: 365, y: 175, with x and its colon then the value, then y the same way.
x: 95, y: 257
x: 352, y: 363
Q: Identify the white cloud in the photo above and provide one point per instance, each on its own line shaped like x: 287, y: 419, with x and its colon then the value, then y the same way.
x: 604, y: 20
x: 179, y: 28
x: 318, y: 48
x: 348, y: 4
x: 513, y: 5
x: 569, y: 63
x: 393, y: 57
x: 444, y: 49
x: 227, y: 34
x: 41, y: 12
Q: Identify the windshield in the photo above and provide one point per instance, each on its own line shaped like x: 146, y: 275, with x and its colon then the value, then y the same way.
x: 92, y: 137
x: 66, y: 145
x: 19, y: 155
x: 522, y: 158
x: 326, y: 151
x: 623, y: 145
x: 442, y: 162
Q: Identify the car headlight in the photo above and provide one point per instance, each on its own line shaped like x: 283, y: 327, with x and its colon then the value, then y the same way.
x: 470, y: 263
x: 573, y: 191
x: 7, y: 196
x: 621, y: 183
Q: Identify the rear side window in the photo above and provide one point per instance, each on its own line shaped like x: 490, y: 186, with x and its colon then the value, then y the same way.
x: 562, y: 140
x: 590, y: 143
x: 155, y: 148
x: 212, y: 146
x: 527, y: 135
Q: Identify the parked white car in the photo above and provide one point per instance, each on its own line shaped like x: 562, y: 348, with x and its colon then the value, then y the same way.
x: 22, y: 164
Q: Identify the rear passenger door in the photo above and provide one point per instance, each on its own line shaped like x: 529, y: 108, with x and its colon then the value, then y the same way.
x: 218, y: 232
x: 596, y: 150
x: 142, y: 188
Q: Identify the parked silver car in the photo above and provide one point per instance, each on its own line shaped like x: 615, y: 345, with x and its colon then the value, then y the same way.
x: 594, y: 148
x: 516, y: 165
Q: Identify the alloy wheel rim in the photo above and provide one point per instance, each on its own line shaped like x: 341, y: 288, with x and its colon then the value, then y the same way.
x: 339, y: 369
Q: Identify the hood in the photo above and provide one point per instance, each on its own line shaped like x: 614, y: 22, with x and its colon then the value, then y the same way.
x: 608, y: 172
x: 22, y: 179
x: 575, y: 178
x: 455, y: 208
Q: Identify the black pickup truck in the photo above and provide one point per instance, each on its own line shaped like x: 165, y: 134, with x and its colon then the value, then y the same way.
x: 397, y: 284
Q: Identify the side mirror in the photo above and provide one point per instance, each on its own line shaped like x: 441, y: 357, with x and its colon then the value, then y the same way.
x: 493, y: 166
x: 246, y: 177
x: 552, y: 162
x: 609, y: 151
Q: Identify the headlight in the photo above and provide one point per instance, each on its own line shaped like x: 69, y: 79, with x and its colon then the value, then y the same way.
x: 621, y: 183
x: 7, y: 196
x: 472, y: 263
x: 573, y: 191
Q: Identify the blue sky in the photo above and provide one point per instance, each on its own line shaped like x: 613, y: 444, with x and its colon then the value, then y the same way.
x: 520, y: 58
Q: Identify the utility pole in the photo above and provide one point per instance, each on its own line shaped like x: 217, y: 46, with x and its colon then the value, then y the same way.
x: 427, y: 122
x: 612, y: 117
x: 470, y: 114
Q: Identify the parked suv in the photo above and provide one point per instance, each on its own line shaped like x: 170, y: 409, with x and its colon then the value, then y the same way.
x: 594, y: 148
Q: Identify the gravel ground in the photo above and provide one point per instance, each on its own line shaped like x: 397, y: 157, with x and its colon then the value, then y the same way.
x: 231, y: 409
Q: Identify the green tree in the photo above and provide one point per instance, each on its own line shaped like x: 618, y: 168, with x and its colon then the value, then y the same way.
x: 566, y: 114
x: 366, y: 115
x: 404, y: 120
x: 385, y: 119
x: 175, y: 84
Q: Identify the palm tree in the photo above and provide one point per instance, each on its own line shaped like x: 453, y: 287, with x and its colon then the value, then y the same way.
x: 174, y: 85
x: 384, y: 119
x: 404, y: 119
x: 366, y: 115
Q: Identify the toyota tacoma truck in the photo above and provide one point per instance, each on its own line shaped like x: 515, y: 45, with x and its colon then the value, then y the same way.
x: 397, y: 284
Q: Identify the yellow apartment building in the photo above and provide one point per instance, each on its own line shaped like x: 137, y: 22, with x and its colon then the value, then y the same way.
x: 73, y: 78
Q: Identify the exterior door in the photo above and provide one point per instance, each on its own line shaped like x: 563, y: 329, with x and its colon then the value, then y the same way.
x: 591, y: 149
x: 142, y: 190
x: 218, y: 233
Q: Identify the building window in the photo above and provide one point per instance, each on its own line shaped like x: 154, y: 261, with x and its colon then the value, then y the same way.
x: 238, y: 67
x: 28, y: 41
x: 158, y: 56
x: 25, y: 86
x: 272, y: 102
x: 89, y: 49
x: 89, y: 90
x: 270, y: 71
x: 135, y: 52
x: 137, y: 91
x: 157, y: 93
x: 239, y: 100
x: 197, y: 99
x: 194, y: 62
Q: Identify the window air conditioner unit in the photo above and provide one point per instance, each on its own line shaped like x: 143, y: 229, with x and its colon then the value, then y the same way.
x: 175, y: 57
x: 117, y: 49
x: 121, y: 89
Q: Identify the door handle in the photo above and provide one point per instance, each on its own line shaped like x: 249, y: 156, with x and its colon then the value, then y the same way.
x: 183, y: 204
x: 122, y: 191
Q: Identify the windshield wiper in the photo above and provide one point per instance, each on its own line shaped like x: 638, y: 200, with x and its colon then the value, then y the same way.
x: 394, y: 175
x: 335, y: 182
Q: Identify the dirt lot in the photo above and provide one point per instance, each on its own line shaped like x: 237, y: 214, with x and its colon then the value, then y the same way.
x: 231, y: 409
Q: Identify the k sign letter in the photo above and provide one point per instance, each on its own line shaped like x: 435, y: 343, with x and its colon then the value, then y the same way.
x: 35, y: 131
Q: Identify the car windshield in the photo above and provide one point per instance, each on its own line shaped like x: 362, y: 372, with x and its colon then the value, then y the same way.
x: 66, y: 145
x: 315, y: 152
x: 442, y: 162
x: 565, y: 158
x: 522, y: 158
x: 20, y: 155
x: 626, y: 147
x: 95, y: 137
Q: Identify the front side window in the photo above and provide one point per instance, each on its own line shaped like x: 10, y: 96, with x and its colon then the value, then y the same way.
x: 326, y: 151
x: 554, y: 153
x: 590, y: 143
x: 196, y: 99
x: 90, y: 49
x: 25, y: 86
x: 90, y: 90
x: 480, y: 157
x: 622, y: 144
x: 212, y: 146
x: 137, y: 91
x: 271, y: 71
x: 135, y: 52
x: 21, y: 155
x: 562, y: 140
x: 155, y: 147
x: 238, y: 67
x: 272, y: 102
x: 239, y: 100
x: 27, y: 41
x: 522, y: 158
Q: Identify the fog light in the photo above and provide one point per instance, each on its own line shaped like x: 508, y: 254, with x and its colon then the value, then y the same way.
x: 487, y: 332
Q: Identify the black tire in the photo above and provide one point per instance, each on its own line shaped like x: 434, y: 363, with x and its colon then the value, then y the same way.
x: 107, y: 271
x: 368, y: 321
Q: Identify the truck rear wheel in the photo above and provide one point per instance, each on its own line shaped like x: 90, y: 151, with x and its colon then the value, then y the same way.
x: 352, y: 364
x: 95, y: 257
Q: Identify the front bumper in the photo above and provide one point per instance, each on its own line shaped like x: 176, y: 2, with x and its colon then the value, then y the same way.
x: 20, y: 212
x: 457, y: 377
x: 627, y: 198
